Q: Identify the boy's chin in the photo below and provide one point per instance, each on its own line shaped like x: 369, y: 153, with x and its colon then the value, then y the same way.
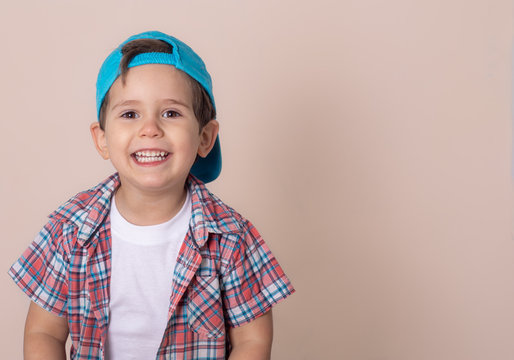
x: 153, y: 183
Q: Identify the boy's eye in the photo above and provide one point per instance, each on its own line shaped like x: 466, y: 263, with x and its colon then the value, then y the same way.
x: 129, y: 115
x: 170, y: 114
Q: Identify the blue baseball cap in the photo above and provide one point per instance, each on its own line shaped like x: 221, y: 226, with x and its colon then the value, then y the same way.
x: 183, y: 58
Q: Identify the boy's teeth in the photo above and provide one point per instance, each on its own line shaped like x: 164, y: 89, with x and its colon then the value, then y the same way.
x: 151, y: 153
x: 150, y: 156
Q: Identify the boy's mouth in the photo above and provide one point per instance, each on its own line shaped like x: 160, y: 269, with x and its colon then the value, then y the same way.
x: 150, y: 156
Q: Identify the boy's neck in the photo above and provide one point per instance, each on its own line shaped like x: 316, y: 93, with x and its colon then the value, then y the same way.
x: 145, y: 209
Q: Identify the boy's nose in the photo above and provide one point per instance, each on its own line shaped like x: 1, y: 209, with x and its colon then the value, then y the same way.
x: 150, y: 128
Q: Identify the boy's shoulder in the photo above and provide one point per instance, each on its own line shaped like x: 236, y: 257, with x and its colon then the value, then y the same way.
x: 214, y: 212
x: 88, y: 206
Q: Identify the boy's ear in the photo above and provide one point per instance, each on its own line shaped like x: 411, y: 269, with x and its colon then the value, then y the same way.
x: 98, y: 136
x: 208, y: 137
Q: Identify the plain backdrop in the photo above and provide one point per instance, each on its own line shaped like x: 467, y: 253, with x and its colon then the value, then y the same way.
x: 369, y: 141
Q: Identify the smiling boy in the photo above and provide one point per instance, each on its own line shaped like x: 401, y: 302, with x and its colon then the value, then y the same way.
x: 149, y: 264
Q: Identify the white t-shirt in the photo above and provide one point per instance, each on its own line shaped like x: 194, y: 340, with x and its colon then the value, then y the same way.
x: 143, y: 260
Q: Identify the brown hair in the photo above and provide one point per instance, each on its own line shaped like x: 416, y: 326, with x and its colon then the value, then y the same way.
x: 202, y: 105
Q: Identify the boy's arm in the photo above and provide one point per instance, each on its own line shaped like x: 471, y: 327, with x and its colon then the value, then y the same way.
x: 252, y: 341
x: 45, y: 335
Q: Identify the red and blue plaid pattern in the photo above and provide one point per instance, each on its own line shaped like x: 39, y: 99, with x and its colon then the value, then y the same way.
x: 225, y: 275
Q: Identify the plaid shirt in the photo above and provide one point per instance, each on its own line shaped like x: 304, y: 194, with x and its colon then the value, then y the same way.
x: 225, y: 275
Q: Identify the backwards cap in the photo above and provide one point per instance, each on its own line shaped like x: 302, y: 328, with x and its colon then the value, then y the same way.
x: 183, y: 58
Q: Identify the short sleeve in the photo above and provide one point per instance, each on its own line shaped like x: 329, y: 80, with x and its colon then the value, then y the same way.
x: 254, y: 282
x: 41, y: 271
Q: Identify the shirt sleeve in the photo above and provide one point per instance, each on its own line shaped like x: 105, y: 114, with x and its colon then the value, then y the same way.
x: 255, y: 281
x: 41, y: 271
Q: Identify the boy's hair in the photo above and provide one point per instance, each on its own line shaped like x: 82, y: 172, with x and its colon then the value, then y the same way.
x: 202, y: 106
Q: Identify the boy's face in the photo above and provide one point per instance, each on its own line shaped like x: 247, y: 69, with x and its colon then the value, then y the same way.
x: 152, y: 136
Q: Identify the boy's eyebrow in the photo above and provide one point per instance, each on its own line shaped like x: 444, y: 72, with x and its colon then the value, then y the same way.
x: 135, y: 102
x: 178, y: 102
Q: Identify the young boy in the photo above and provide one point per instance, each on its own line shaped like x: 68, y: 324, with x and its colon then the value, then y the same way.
x: 149, y: 264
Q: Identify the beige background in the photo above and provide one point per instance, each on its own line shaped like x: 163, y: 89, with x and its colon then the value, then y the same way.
x: 369, y: 141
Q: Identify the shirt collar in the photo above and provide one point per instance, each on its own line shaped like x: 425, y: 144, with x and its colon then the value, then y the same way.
x: 88, y: 210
